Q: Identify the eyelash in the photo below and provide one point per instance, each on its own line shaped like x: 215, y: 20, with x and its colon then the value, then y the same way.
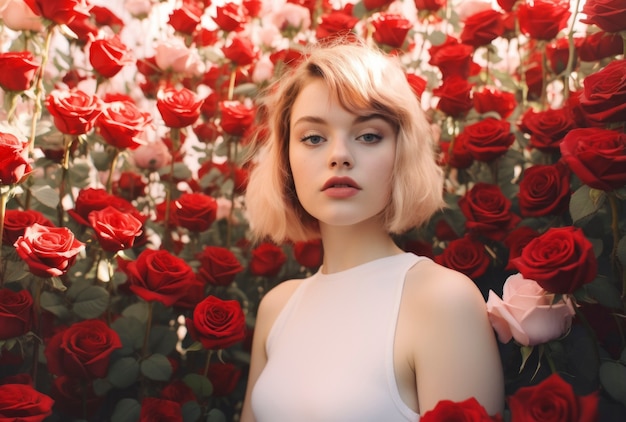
x: 377, y: 138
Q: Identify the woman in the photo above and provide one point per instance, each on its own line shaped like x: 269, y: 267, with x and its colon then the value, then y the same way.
x: 376, y: 334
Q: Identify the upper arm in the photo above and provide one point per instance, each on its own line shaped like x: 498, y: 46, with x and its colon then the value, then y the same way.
x: 456, y: 354
x: 269, y: 309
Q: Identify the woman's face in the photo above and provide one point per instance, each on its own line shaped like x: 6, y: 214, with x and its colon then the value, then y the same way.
x: 341, y: 162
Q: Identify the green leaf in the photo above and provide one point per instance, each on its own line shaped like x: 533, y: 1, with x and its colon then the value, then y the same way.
x: 604, y: 292
x: 123, y: 372
x: 525, y: 351
x: 77, y: 287
x: 200, y: 385
x: 162, y: 340
x: 613, y: 379
x: 131, y: 332
x: 126, y: 410
x: 138, y: 310
x: 46, y: 195
x: 101, y: 387
x: 91, y: 302
x: 54, y: 303
x: 585, y: 203
x: 215, y: 415
x: 156, y: 367
x: 191, y: 411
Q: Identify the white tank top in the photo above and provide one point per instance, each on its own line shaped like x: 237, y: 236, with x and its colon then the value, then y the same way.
x: 330, y: 351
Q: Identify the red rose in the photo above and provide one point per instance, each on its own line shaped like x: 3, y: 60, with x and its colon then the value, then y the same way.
x: 84, y: 29
x: 207, y: 132
x: 94, y: 199
x: 230, y: 17
x: 547, y: 128
x: 459, y: 157
x: 376, y: 4
x: 236, y: 117
x: 598, y: 46
x: 483, y: 27
x: 390, y: 29
x: 218, y: 266
x: 48, y: 251
x: 20, y: 402
x: 267, y: 260
x: 17, y: 69
x: 552, y: 400
x: 544, y: 190
x: 59, y: 11
x: 121, y: 123
x: 608, y: 15
x: 488, y: 211
x: 604, y: 95
x: 335, y: 23
x: 82, y: 350
x: 488, y: 139
x: 179, y: 108
x: 252, y: 7
x: 16, y: 221
x: 466, y: 411
x: 73, y: 397
x: 429, y: 5
x: 16, y: 313
x: 204, y: 37
x: 195, y: 211
x: 516, y: 241
x: 418, y: 84
x: 444, y: 231
x: 217, y: 323
x: 130, y: 185
x: 560, y: 260
x: 465, y: 255
x: 455, y: 97
x: 115, y: 230
x: 186, y: 18
x: 534, y: 77
x: 179, y: 392
x: 543, y: 19
x: 105, y: 17
x: 507, y: 5
x: 157, y: 275
x: 13, y: 159
x: 108, y: 55
x: 74, y: 111
x: 240, y: 51
x: 194, y: 293
x: 597, y: 156
x: 492, y: 99
x: 224, y: 378
x: 452, y: 59
x: 160, y: 410
x: 309, y: 254
x: 557, y: 53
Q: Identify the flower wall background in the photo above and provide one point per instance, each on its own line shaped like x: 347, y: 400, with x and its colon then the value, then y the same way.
x: 128, y: 285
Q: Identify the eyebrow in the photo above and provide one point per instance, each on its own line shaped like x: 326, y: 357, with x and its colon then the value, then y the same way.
x: 357, y: 120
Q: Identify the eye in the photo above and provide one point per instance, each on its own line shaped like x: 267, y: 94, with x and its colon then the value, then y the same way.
x: 312, y: 139
x: 370, y: 138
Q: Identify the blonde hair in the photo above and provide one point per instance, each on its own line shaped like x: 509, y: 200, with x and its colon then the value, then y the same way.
x: 365, y: 81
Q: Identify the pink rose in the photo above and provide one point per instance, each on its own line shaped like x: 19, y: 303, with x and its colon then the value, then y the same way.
x: 528, y: 313
x: 19, y: 17
x: 152, y: 156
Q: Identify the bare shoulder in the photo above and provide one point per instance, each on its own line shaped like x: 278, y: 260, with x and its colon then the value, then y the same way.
x: 436, y: 288
x: 454, y: 348
x: 274, y: 301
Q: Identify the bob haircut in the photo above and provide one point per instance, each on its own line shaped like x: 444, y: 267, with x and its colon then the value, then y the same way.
x: 365, y: 82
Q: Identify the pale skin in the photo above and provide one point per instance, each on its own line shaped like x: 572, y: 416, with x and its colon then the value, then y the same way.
x: 444, y: 346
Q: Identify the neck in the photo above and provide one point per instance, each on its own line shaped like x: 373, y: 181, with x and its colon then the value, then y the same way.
x: 347, y: 247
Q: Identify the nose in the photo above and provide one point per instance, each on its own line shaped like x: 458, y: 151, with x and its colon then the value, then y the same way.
x: 339, y: 154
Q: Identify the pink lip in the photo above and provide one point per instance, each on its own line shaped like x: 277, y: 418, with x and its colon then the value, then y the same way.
x: 340, y: 183
x: 340, y: 187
